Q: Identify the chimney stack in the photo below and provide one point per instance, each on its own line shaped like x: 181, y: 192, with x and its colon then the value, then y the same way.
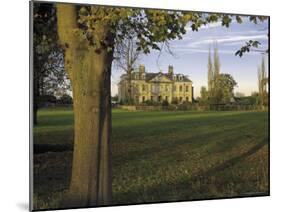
x: 170, y: 70
x: 141, y: 69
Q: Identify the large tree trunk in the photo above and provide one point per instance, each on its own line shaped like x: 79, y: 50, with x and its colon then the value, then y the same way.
x: 91, y: 178
x: 89, y: 72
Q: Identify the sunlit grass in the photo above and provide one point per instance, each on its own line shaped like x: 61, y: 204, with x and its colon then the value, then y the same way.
x: 163, y: 156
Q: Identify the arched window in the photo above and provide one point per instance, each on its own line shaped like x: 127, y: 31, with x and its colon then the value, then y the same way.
x: 180, y: 99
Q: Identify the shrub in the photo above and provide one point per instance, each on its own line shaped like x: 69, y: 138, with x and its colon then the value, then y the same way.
x: 172, y: 107
x: 148, y: 102
x: 175, y: 101
x: 46, y: 100
x: 165, y: 103
x: 66, y: 99
x: 128, y: 101
x: 182, y: 107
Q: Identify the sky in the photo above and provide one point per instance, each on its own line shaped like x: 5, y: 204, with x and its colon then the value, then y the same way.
x: 190, y: 55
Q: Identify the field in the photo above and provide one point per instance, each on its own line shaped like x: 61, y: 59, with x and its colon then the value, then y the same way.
x: 161, y: 156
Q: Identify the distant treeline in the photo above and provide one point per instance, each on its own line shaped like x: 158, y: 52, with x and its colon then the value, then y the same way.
x: 51, y: 100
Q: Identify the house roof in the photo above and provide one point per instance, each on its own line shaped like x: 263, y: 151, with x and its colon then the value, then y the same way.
x: 149, y: 76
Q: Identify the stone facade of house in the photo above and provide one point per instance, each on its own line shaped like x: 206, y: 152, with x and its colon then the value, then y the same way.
x: 156, y: 87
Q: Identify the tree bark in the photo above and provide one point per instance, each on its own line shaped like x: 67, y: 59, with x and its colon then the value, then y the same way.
x: 89, y: 72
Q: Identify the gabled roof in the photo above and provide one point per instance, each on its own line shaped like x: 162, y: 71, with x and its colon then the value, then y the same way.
x: 149, y: 76
x: 160, y: 74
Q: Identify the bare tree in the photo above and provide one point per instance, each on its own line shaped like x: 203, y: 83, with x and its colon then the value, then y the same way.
x: 126, y: 56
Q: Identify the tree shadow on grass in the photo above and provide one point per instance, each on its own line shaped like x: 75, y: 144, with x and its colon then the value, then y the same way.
x: 185, y: 188
x: 43, y: 148
x: 196, y: 140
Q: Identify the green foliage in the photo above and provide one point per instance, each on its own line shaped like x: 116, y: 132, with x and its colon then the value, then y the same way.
x: 44, y: 36
x: 220, y: 86
x: 239, y: 19
x: 45, y: 99
x: 128, y: 101
x: 223, y: 89
x: 49, y: 76
x: 115, y: 98
x: 226, y: 84
x: 66, y: 99
x: 149, y: 27
x: 175, y: 101
x: 247, y: 48
x: 226, y: 20
x: 204, y: 95
x: 151, y: 103
x: 165, y: 103
x: 247, y: 100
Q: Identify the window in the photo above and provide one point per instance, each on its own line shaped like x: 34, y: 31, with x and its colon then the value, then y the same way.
x: 143, y: 87
x: 143, y: 99
x: 186, y: 88
x: 180, y: 88
x: 167, y: 88
x: 166, y: 98
x: 180, y: 99
x: 151, y: 98
x: 186, y: 98
x: 159, y: 98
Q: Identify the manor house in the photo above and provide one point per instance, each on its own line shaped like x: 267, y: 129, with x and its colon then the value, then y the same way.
x: 156, y: 87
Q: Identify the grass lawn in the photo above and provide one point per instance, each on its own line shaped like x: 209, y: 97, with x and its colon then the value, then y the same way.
x: 161, y: 156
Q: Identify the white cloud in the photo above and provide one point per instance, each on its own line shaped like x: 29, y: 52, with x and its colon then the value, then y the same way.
x: 226, y: 39
x: 187, y: 50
